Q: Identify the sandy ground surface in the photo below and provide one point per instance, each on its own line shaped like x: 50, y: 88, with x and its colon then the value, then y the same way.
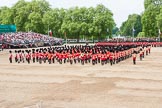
x: 123, y: 85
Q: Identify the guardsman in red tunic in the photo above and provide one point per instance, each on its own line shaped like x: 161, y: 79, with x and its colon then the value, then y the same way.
x: 134, y: 57
x: 111, y: 59
x: 146, y: 50
x: 94, y: 59
x: 28, y: 57
x: 23, y: 56
x: 116, y: 56
x: 64, y: 56
x: 33, y: 56
x: 82, y: 58
x: 78, y: 55
x: 108, y: 55
x: 40, y: 57
x: 53, y: 56
x: 37, y: 55
x: 141, y: 54
x: 70, y: 56
x: 149, y: 49
x: 20, y: 55
x: 99, y: 57
x: 60, y: 58
x: 44, y: 56
x: 16, y: 56
x: 49, y: 57
x: 102, y: 59
x: 75, y: 57
x: 10, y: 56
x: 121, y: 56
x: 89, y: 57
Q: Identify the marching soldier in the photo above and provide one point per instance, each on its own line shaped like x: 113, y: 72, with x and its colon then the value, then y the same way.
x: 28, y: 57
x: 134, y: 57
x: 16, y: 56
x: 10, y: 56
x: 33, y: 55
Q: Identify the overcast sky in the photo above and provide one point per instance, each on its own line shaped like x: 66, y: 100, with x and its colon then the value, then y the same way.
x: 120, y: 8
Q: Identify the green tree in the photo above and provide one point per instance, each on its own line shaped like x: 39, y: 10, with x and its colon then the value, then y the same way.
x: 152, y: 2
x: 20, y: 14
x: 6, y: 15
x: 151, y: 17
x: 52, y: 20
x: 133, y: 22
x: 141, y: 34
x: 76, y: 22
x: 159, y: 20
x: 102, y: 21
x: 115, y: 31
x: 28, y: 15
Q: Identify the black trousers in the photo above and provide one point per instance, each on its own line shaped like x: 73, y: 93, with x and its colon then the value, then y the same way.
x: 34, y: 60
x: 134, y: 62
x: 141, y: 58
x: 93, y: 62
x: 111, y: 62
x: 10, y: 59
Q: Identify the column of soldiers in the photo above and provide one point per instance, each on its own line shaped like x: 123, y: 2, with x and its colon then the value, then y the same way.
x: 141, y: 50
x: 102, y: 54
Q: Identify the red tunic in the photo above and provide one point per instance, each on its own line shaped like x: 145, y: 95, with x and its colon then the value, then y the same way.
x: 110, y: 57
x: 10, y: 56
x: 27, y: 56
x: 33, y: 55
x: 134, y: 57
x: 93, y: 57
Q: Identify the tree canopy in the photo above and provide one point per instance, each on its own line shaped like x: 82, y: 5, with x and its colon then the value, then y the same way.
x: 131, y: 26
x: 76, y: 22
x: 152, y: 17
x: 81, y: 22
x: 148, y: 23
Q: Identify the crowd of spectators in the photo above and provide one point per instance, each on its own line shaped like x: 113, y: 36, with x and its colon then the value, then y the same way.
x: 28, y: 39
x: 133, y: 39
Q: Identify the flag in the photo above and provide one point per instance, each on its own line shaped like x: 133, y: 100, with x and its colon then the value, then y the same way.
x: 50, y: 33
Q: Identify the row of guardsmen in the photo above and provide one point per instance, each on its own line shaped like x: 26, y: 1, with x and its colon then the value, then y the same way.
x: 142, y: 51
x: 78, y: 54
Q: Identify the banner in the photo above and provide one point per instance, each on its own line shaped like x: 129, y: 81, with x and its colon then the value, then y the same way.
x: 7, y: 28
